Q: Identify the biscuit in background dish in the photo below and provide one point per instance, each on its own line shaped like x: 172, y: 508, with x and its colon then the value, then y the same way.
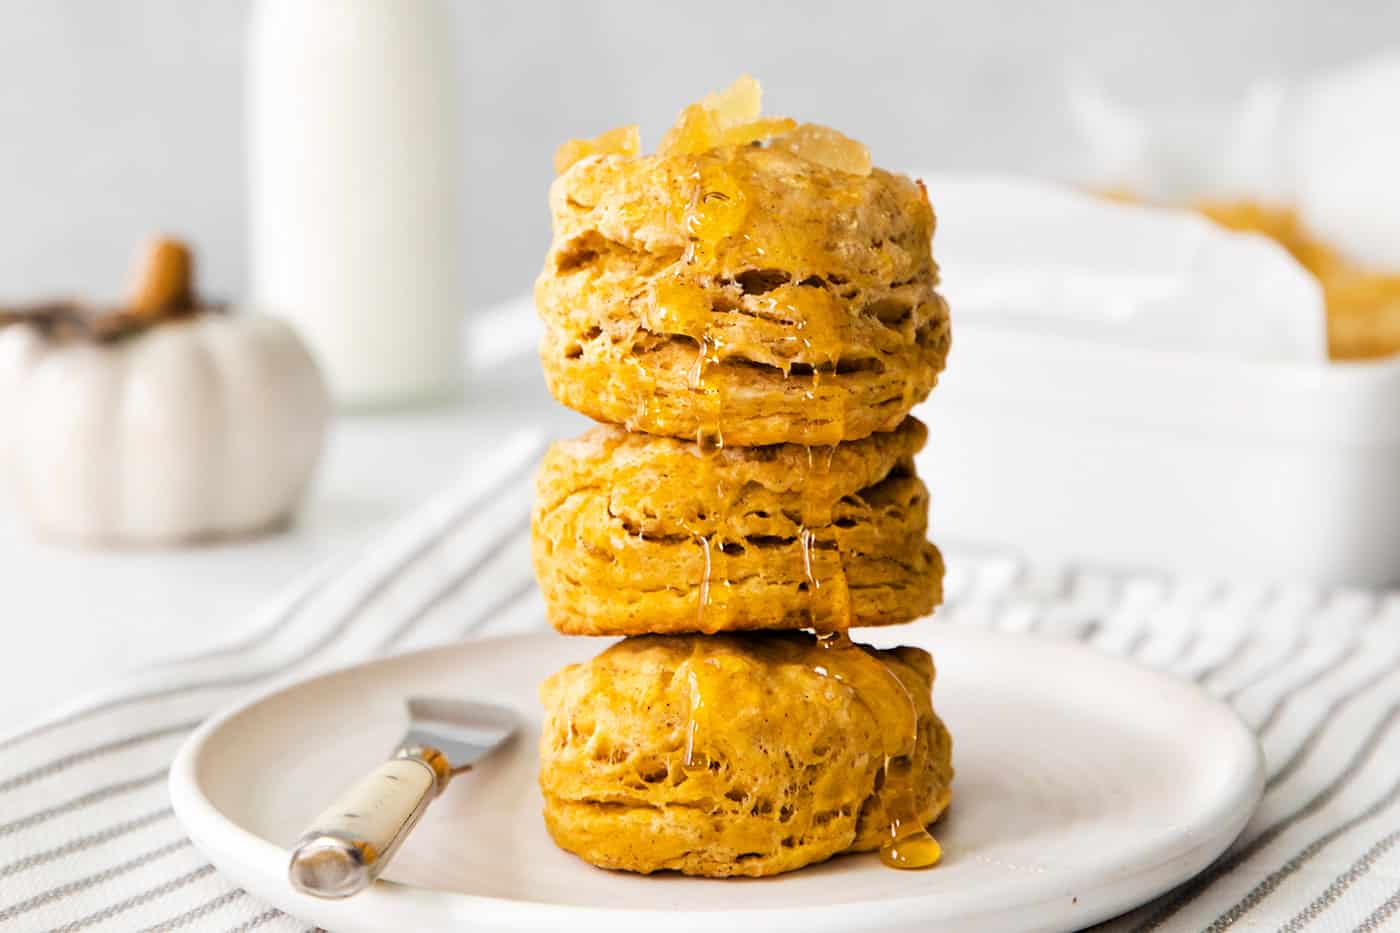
x: 635, y: 534
x: 754, y: 282
x: 1363, y: 315
x: 749, y: 754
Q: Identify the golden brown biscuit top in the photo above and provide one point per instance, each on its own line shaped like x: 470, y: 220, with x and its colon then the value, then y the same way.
x: 683, y: 289
x: 732, y: 209
x: 676, y: 683
x: 730, y: 190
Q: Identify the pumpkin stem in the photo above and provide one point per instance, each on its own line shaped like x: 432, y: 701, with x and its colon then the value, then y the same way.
x: 162, y: 279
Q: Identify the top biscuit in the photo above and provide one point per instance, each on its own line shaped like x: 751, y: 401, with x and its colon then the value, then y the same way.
x: 778, y: 290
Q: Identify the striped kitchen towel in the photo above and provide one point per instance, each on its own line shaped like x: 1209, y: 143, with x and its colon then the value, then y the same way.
x: 87, y: 837
x: 88, y: 840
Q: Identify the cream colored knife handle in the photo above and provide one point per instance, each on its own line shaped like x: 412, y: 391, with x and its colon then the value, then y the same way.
x: 349, y: 844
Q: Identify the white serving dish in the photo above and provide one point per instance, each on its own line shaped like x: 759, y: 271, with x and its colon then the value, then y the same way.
x: 1077, y: 451
x: 1134, y: 386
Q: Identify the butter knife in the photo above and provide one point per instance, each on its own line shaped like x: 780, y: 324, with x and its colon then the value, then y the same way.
x: 348, y: 846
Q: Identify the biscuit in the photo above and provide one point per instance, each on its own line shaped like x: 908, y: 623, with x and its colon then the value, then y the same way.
x: 1363, y: 315
x: 634, y: 534
x: 747, y: 754
x: 744, y: 293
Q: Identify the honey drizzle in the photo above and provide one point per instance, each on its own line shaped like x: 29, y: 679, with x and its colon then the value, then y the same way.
x: 692, y: 761
x: 681, y: 308
x: 704, y: 586
x: 696, y: 377
x: 910, y: 845
x: 710, y: 533
x: 715, y: 212
x: 806, y: 537
x: 869, y: 678
x: 709, y: 442
x: 645, y: 388
x: 823, y: 332
x: 830, y: 609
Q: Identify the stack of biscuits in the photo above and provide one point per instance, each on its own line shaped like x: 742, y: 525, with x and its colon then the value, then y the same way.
x: 751, y: 314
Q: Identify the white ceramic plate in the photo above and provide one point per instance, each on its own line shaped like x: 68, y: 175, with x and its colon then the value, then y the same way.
x: 1084, y: 787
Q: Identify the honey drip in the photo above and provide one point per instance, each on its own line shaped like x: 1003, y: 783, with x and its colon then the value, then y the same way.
x: 704, y: 589
x: 806, y: 537
x: 708, y: 400
x: 919, y: 850
x: 868, y: 681
x: 715, y: 211
x: 828, y: 595
x: 710, y: 441
x: 909, y: 844
x: 681, y: 308
x: 823, y: 332
x: 871, y: 682
x: 710, y: 530
x: 693, y: 760
x: 696, y: 378
x: 645, y: 391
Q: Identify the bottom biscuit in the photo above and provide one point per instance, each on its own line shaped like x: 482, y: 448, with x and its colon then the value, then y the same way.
x: 740, y: 754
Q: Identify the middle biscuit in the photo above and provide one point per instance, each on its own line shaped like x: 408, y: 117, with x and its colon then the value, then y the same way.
x: 635, y: 534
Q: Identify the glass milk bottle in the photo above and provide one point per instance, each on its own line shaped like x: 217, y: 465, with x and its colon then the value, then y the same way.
x: 355, y: 182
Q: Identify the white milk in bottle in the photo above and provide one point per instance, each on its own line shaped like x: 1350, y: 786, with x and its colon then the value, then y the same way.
x: 355, y: 180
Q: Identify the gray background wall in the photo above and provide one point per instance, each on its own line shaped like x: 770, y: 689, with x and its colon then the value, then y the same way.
x: 119, y: 118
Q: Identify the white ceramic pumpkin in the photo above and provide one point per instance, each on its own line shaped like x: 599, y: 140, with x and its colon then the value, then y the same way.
x: 204, y: 426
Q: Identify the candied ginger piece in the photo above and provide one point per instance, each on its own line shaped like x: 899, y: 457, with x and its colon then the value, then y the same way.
x: 695, y: 130
x: 757, y: 131
x: 825, y: 146
x: 623, y: 141
x: 727, y: 118
x: 740, y: 103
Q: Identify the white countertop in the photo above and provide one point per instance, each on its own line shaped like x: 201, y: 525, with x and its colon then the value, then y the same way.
x: 76, y: 619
